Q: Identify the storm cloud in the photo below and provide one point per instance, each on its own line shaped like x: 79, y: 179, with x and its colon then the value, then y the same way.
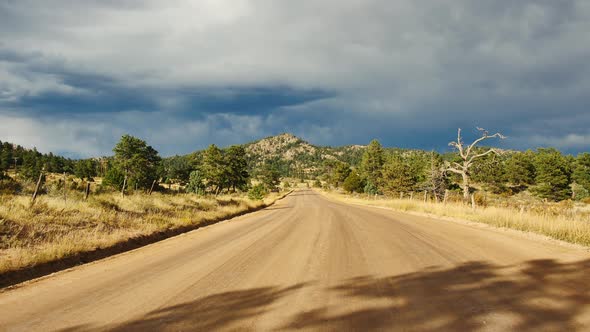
x: 74, y: 75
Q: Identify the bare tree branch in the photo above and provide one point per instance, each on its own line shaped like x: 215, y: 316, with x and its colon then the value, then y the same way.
x: 454, y: 170
x: 485, y: 135
x: 459, y: 144
x: 468, y: 156
x: 484, y: 154
x: 457, y: 165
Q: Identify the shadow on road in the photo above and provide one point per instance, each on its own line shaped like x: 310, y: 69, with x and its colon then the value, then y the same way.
x: 219, y: 311
x: 539, y: 295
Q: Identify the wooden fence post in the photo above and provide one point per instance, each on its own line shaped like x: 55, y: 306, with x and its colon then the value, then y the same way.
x: 401, y: 195
x: 37, y: 187
x: 473, y: 201
x: 65, y: 189
x: 152, y: 188
x: 411, y: 195
x: 446, y: 196
x: 425, y: 193
x: 87, y: 191
x: 124, y: 184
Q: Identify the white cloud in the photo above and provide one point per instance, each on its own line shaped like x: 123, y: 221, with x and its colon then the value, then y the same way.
x: 566, y: 141
x: 96, y: 135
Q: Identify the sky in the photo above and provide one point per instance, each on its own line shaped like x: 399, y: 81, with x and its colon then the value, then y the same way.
x: 76, y: 75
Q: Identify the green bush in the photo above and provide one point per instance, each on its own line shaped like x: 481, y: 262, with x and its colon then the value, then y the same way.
x: 258, y: 192
x: 196, y: 184
x: 353, y: 183
x: 579, y: 192
x: 371, y: 189
x: 114, y: 179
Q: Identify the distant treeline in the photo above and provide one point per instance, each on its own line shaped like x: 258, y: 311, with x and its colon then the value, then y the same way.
x: 136, y: 165
x: 30, y: 162
x: 545, y: 172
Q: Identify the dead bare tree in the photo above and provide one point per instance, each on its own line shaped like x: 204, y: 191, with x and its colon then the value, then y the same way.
x: 469, y: 155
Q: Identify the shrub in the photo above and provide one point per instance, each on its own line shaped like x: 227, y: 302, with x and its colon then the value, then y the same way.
x: 114, y: 179
x: 195, y: 183
x: 9, y: 186
x: 257, y: 192
x: 371, y: 189
x: 579, y: 192
x: 353, y: 183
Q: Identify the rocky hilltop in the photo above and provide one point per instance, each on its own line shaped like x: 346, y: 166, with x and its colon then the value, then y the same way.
x: 292, y: 154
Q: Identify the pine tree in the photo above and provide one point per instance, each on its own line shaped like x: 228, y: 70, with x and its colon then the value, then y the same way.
x: 552, y: 175
x: 270, y: 176
x: 237, y: 167
x: 340, y: 173
x: 372, y: 164
x: 520, y: 170
x: 85, y: 169
x: 137, y: 161
x: 176, y: 169
x: 397, y: 175
x: 213, y: 170
x: 6, y: 156
x: 489, y: 170
x: 581, y: 174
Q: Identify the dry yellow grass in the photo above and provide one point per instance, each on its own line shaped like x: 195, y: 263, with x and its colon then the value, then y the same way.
x: 556, y: 220
x: 52, y: 228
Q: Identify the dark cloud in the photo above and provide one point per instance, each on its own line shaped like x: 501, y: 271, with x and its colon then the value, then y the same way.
x: 184, y: 73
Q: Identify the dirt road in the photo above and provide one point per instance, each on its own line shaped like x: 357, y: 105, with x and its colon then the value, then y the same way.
x: 308, y: 263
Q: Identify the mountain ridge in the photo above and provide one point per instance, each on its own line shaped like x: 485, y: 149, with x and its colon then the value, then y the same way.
x: 293, y: 153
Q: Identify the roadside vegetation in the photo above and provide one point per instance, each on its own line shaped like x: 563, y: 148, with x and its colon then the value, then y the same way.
x: 542, y: 191
x: 92, y: 204
x: 53, y: 229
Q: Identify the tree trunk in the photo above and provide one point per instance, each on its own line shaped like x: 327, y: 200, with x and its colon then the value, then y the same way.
x: 465, y: 187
